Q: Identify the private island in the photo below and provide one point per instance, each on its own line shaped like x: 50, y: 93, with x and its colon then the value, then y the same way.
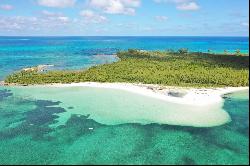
x: 182, y: 77
x: 191, y: 81
x: 180, y: 69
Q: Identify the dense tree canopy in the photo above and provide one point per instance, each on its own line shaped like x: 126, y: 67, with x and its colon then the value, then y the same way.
x: 166, y: 68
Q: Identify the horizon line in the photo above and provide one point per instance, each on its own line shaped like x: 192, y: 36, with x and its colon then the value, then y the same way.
x: 114, y: 36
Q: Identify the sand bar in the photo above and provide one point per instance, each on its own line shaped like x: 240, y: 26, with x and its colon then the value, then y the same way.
x: 192, y: 96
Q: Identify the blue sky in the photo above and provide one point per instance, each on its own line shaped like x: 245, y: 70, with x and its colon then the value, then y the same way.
x: 124, y: 17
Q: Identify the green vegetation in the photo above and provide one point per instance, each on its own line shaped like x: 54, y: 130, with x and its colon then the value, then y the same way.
x: 238, y: 53
x: 183, y: 51
x: 167, y: 68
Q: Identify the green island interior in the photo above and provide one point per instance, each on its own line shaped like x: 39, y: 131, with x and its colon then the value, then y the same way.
x: 155, y: 67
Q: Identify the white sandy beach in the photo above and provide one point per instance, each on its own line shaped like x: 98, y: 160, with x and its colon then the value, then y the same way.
x: 198, y: 107
x: 192, y: 96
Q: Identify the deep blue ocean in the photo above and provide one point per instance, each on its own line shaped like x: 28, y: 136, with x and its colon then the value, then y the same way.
x: 82, y: 52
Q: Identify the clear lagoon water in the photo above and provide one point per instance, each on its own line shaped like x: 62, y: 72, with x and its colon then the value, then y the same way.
x: 31, y: 132
x: 82, y: 52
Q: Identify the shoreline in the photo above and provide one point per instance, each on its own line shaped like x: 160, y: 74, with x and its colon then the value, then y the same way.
x: 196, y: 107
x: 179, y: 95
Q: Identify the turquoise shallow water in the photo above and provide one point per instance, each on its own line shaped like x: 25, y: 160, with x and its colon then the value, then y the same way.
x: 114, y: 107
x: 28, y: 135
x: 82, y: 52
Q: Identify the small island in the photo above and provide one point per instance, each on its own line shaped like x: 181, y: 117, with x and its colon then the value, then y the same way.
x: 194, y: 79
x: 124, y: 82
x: 181, y: 69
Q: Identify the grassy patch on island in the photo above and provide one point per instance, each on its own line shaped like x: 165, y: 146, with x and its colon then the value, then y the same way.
x: 172, y: 69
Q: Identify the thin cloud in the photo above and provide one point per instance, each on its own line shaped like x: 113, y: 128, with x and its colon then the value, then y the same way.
x: 57, y: 3
x: 6, y: 7
x: 185, y: 5
x: 126, y: 7
x: 161, y: 18
x: 188, y: 6
x: 92, y: 17
x: 245, y: 24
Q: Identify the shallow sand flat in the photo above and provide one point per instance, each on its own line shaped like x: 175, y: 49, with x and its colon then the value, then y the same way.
x: 193, y: 96
x: 113, y: 104
x: 75, y: 143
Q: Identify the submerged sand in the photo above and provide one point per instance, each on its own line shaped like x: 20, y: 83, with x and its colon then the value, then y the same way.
x: 121, y: 103
x: 187, y: 96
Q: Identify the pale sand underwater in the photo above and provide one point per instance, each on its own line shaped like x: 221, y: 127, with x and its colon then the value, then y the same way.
x: 121, y: 103
x: 30, y: 132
